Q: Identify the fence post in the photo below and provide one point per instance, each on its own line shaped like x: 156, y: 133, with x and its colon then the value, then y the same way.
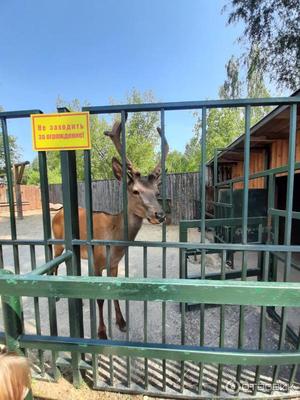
x: 13, y: 322
x: 71, y: 229
x: 12, y: 318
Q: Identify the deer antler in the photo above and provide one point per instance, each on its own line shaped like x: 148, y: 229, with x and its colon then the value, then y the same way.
x: 157, y: 170
x: 114, y: 134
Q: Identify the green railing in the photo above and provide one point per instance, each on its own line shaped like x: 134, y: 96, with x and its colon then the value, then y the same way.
x: 221, y: 292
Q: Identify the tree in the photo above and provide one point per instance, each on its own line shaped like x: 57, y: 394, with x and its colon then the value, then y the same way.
x: 176, y: 162
x: 273, y: 27
x: 15, y: 150
x: 225, y: 125
x: 141, y: 141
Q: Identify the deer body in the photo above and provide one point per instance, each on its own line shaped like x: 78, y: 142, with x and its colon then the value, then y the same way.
x: 105, y: 227
x: 142, y: 203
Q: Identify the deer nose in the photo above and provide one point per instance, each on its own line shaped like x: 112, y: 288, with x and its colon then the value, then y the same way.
x: 160, y: 216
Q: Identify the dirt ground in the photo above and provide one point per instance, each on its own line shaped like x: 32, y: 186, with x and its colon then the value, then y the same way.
x: 31, y: 228
x: 66, y: 391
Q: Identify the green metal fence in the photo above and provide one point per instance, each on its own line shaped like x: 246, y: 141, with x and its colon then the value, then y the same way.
x: 156, y: 367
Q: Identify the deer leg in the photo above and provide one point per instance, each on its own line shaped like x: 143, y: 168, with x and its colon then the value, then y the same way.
x: 102, y: 327
x: 58, y: 249
x: 120, y: 321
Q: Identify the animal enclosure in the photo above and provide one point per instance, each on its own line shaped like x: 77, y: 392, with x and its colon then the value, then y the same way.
x: 196, y: 328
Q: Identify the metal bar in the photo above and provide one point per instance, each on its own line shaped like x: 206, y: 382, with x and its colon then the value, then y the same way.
x: 261, y: 174
x: 222, y: 325
x: 284, y: 213
x: 262, y: 324
x: 145, y: 274
x: 160, y: 351
x: 203, y: 253
x: 10, y: 192
x: 271, y: 202
x: 50, y: 265
x: 215, y: 181
x: 19, y: 114
x: 89, y: 233
x: 210, y: 247
x: 246, y: 174
x: 125, y: 218
x: 182, y: 321
x: 288, y: 220
x: 164, y: 237
x: 191, y: 105
x: 244, y: 226
x: 153, y: 289
x: 293, y: 337
x: 44, y: 188
x: 203, y: 175
x: 228, y: 275
x: 295, y: 366
x: 1, y: 257
x: 110, y: 334
x: 71, y: 231
x: 196, y: 223
x: 37, y: 312
x: 13, y: 324
x: 12, y: 317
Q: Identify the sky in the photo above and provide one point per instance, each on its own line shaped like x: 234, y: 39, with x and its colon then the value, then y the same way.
x: 95, y: 50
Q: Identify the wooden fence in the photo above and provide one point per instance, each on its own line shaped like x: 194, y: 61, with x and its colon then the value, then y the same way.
x: 182, y: 192
x: 31, y: 198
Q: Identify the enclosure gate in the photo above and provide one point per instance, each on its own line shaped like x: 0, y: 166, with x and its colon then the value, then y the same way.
x: 160, y: 368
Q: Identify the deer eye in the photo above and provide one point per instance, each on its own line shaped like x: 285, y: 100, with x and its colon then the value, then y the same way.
x: 136, y: 192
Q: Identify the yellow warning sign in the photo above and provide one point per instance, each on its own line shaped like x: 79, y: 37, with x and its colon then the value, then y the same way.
x: 62, y: 131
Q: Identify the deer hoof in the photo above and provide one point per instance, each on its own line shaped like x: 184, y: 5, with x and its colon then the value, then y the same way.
x: 102, y: 335
x: 122, y: 326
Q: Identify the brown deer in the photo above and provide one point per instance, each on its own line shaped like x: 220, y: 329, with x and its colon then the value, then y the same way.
x: 142, y: 203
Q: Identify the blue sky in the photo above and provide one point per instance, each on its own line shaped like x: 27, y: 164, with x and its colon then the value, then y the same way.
x: 95, y: 50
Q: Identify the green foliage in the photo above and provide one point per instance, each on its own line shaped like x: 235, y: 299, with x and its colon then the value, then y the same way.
x: 272, y: 26
x: 141, y: 142
x: 15, y: 150
x: 176, y: 162
x: 225, y: 125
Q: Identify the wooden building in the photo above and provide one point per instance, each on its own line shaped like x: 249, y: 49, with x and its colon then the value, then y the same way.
x: 269, y: 147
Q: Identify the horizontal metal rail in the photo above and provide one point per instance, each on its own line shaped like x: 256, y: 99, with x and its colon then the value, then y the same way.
x: 19, y: 114
x: 150, y: 289
x: 283, y: 213
x: 161, y: 351
x: 172, y: 245
x: 191, y: 105
x: 211, y: 223
x: 227, y: 275
x: 261, y: 174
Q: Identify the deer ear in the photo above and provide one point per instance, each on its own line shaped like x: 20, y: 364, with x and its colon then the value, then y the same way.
x: 117, y: 168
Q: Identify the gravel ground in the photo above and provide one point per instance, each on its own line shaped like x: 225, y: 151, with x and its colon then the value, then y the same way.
x: 31, y: 228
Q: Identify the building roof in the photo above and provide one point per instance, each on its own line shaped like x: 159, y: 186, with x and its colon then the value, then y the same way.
x: 273, y: 126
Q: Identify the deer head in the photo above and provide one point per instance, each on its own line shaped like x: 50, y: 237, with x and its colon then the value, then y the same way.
x: 142, y: 191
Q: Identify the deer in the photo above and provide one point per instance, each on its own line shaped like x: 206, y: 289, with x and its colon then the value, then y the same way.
x: 142, y: 193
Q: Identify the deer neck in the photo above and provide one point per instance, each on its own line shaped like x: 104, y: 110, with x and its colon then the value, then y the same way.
x: 134, y: 224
